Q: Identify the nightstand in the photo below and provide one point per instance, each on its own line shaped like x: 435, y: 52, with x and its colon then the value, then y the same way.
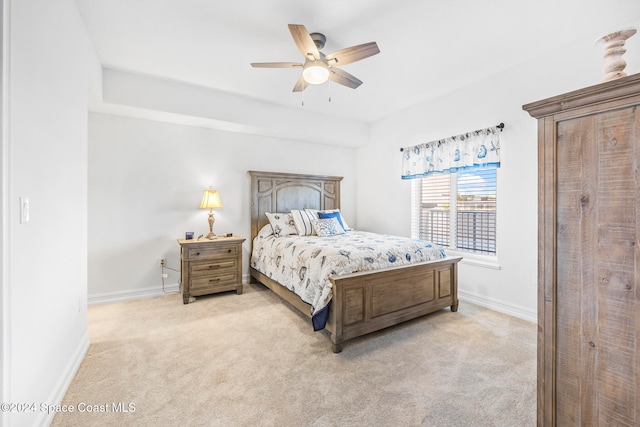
x: 210, y: 266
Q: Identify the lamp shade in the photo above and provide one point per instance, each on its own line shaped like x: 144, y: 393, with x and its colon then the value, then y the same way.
x: 210, y: 199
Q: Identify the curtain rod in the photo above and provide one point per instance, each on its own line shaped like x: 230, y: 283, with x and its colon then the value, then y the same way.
x: 500, y: 126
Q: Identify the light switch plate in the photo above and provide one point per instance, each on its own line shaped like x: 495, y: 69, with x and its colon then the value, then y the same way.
x: 24, y: 210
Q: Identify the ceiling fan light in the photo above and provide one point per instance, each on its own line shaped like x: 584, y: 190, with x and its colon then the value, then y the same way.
x: 315, y: 73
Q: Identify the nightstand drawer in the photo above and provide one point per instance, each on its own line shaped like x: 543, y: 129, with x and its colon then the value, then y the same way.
x: 211, y: 282
x: 213, y: 267
x: 193, y: 254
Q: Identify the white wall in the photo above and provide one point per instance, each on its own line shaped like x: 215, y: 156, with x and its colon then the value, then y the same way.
x: 50, y: 61
x: 145, y: 96
x: 4, y: 208
x: 146, y: 180
x: 146, y: 177
x: 500, y: 98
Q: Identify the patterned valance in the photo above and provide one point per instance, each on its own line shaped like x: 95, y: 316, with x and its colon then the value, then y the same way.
x: 479, y: 148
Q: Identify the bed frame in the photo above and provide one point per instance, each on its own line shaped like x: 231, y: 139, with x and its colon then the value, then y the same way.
x: 362, y: 302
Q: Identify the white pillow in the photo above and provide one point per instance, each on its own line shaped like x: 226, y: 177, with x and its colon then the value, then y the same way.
x: 326, y: 227
x: 344, y: 223
x: 312, y: 212
x: 302, y: 220
x: 282, y: 224
x: 265, y: 231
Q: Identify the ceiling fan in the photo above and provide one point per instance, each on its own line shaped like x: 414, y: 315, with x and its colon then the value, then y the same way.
x: 318, y: 67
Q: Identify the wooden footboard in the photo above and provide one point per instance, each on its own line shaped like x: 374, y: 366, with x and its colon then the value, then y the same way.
x: 369, y: 301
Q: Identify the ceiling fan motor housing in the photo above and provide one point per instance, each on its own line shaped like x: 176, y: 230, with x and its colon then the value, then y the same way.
x: 319, y: 39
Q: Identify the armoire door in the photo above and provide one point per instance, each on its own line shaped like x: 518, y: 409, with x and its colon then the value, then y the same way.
x: 597, y: 252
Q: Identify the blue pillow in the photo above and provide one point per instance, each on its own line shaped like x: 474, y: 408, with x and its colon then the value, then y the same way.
x: 335, y: 215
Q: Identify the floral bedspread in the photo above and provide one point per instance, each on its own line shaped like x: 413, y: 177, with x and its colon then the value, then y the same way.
x: 304, y: 263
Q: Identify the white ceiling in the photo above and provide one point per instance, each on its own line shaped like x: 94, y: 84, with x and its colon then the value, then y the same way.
x: 428, y: 47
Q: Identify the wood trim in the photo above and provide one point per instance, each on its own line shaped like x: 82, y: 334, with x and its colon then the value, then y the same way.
x: 586, y: 97
x: 637, y: 257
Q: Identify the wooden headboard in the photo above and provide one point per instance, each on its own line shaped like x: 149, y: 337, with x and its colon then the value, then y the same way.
x: 282, y: 192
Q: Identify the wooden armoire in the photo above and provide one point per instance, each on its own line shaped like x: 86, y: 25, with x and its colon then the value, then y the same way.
x: 588, y: 255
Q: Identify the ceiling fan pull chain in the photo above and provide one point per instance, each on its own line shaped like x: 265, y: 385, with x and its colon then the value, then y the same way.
x: 329, y: 90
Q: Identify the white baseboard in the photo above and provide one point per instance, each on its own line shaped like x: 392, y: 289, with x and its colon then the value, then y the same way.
x: 61, y: 387
x: 132, y: 294
x: 514, y: 310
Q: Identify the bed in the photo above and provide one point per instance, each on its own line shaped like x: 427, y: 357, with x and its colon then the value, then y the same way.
x: 360, y: 302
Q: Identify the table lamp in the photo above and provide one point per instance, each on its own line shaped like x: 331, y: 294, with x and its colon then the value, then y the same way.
x: 210, y: 200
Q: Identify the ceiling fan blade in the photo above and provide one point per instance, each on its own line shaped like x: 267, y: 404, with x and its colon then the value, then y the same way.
x: 276, y: 64
x: 342, y: 77
x: 304, y: 42
x: 301, y: 85
x: 353, y: 54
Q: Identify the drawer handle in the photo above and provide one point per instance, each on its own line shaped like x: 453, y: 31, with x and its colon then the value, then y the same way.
x: 214, y: 266
x: 217, y: 279
x: 229, y: 251
x: 197, y: 253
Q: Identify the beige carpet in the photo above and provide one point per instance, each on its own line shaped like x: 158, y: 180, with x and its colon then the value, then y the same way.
x: 251, y: 360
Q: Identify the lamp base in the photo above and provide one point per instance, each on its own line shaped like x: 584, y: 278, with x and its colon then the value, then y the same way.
x: 211, y: 220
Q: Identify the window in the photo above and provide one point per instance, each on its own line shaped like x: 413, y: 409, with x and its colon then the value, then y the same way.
x: 457, y: 210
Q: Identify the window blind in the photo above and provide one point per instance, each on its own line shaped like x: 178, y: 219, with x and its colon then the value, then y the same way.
x: 457, y: 210
x: 476, y: 211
